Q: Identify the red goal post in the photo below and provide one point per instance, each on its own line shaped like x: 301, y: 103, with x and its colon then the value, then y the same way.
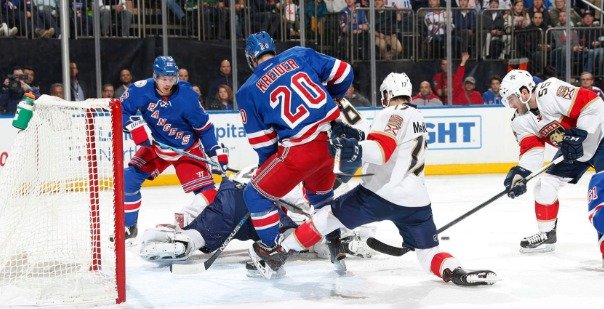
x: 61, y: 201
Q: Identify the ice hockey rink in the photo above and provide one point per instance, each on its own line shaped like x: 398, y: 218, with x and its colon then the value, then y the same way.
x: 571, y: 276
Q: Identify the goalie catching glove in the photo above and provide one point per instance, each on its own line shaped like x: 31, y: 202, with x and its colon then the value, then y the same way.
x: 571, y: 145
x: 141, y: 134
x: 515, y: 181
x: 168, y: 243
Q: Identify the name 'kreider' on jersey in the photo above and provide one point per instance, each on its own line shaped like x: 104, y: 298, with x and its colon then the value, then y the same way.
x: 290, y: 98
x: 177, y: 121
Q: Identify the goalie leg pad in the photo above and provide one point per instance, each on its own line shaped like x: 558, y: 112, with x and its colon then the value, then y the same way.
x: 165, y: 243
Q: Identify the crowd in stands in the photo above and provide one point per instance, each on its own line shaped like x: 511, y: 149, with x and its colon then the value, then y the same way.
x: 22, y: 79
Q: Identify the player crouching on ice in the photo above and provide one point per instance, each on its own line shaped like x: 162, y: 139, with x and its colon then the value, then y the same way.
x: 568, y: 117
x: 211, y: 228
x: 170, y: 114
x: 394, y: 151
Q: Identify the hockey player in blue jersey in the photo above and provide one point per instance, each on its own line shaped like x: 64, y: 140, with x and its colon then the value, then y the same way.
x: 168, y: 111
x: 286, y: 106
x: 595, y: 207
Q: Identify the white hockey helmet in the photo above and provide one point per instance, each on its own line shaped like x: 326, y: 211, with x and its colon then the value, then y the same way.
x: 512, y: 84
x: 395, y: 85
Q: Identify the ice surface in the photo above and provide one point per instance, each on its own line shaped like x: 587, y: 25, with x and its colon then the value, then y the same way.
x: 570, y: 277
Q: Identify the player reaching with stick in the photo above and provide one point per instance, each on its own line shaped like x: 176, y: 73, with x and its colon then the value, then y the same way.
x: 171, y: 114
x: 286, y: 106
x: 568, y: 117
x: 394, y: 152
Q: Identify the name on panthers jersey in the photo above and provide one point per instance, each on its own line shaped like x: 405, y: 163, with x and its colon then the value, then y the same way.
x: 419, y: 127
x: 166, y: 126
x: 274, y: 73
x: 394, y: 124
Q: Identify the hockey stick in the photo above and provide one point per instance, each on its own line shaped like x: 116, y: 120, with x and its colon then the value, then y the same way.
x: 192, y: 156
x: 379, y: 246
x: 338, y: 171
x: 184, y: 269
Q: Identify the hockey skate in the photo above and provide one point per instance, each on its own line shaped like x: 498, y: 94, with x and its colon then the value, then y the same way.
x: 253, y: 272
x: 337, y: 253
x: 463, y: 277
x: 130, y: 235
x: 267, y: 260
x: 540, y: 242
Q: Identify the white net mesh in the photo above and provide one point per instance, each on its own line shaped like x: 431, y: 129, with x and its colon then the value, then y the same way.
x: 57, y: 207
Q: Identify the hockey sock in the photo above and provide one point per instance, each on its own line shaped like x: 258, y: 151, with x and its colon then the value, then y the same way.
x: 305, y: 236
x: 316, y: 198
x: 434, y: 260
x: 546, y: 215
x: 133, y: 180
x: 596, y: 217
x: 265, y: 217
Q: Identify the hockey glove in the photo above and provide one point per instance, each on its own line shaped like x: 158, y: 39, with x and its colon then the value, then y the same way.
x: 571, y: 145
x: 515, y: 182
x: 340, y: 129
x: 351, y: 153
x: 221, y: 157
x: 141, y: 135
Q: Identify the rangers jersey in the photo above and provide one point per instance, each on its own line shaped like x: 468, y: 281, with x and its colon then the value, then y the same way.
x: 561, y: 106
x: 394, y: 152
x: 177, y: 121
x: 289, y: 98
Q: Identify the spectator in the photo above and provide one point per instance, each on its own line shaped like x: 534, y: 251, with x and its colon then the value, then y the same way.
x: 291, y: 18
x: 30, y: 77
x: 436, y: 24
x: 223, y: 78
x: 126, y: 79
x: 121, y: 10
x: 494, y: 27
x: 10, y: 17
x: 198, y: 91
x: 587, y: 82
x: 183, y: 74
x: 539, y: 7
x: 503, y: 4
x: 590, y: 39
x: 223, y: 99
x: 518, y: 18
x: 547, y: 4
x: 264, y: 16
x: 386, y: 22
x: 355, y: 98
x: 492, y: 96
x: 28, y: 15
x: 77, y: 91
x: 354, y: 27
x: 425, y: 96
x: 215, y: 19
x: 559, y: 37
x: 582, y: 7
x: 108, y: 91
x: 464, y: 93
x: 529, y: 42
x: 560, y: 6
x: 13, y: 88
x: 464, y: 22
x: 48, y: 11
x: 315, y: 11
x: 57, y: 90
x: 439, y: 81
x: 82, y: 22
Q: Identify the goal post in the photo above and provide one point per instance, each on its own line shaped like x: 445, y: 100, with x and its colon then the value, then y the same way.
x: 61, y: 201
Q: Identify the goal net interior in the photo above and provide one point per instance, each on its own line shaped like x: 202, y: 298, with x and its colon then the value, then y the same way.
x: 60, y: 209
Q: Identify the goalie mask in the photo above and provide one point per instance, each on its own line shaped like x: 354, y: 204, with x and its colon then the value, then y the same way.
x: 395, y: 85
x: 256, y: 45
x: 512, y: 85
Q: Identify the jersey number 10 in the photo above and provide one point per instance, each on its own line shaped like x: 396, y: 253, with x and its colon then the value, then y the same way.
x: 311, y: 96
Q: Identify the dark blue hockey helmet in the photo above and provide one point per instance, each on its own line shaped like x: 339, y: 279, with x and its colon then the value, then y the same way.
x: 164, y: 66
x: 258, y: 44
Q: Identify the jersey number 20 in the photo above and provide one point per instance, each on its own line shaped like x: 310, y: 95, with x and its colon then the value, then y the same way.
x: 311, y: 95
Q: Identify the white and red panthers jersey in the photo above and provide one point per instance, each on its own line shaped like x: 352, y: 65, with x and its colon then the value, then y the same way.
x: 394, y: 152
x: 561, y: 105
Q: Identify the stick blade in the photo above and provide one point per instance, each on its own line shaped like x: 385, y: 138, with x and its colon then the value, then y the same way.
x: 385, y: 248
x: 187, y: 268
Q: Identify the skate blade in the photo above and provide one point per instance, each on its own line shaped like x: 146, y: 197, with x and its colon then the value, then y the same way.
x: 261, y: 266
x: 340, y: 266
x: 541, y: 249
x: 488, y: 278
x: 254, y: 273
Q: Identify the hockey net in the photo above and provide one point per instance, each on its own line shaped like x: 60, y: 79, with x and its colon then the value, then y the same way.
x: 61, y: 201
